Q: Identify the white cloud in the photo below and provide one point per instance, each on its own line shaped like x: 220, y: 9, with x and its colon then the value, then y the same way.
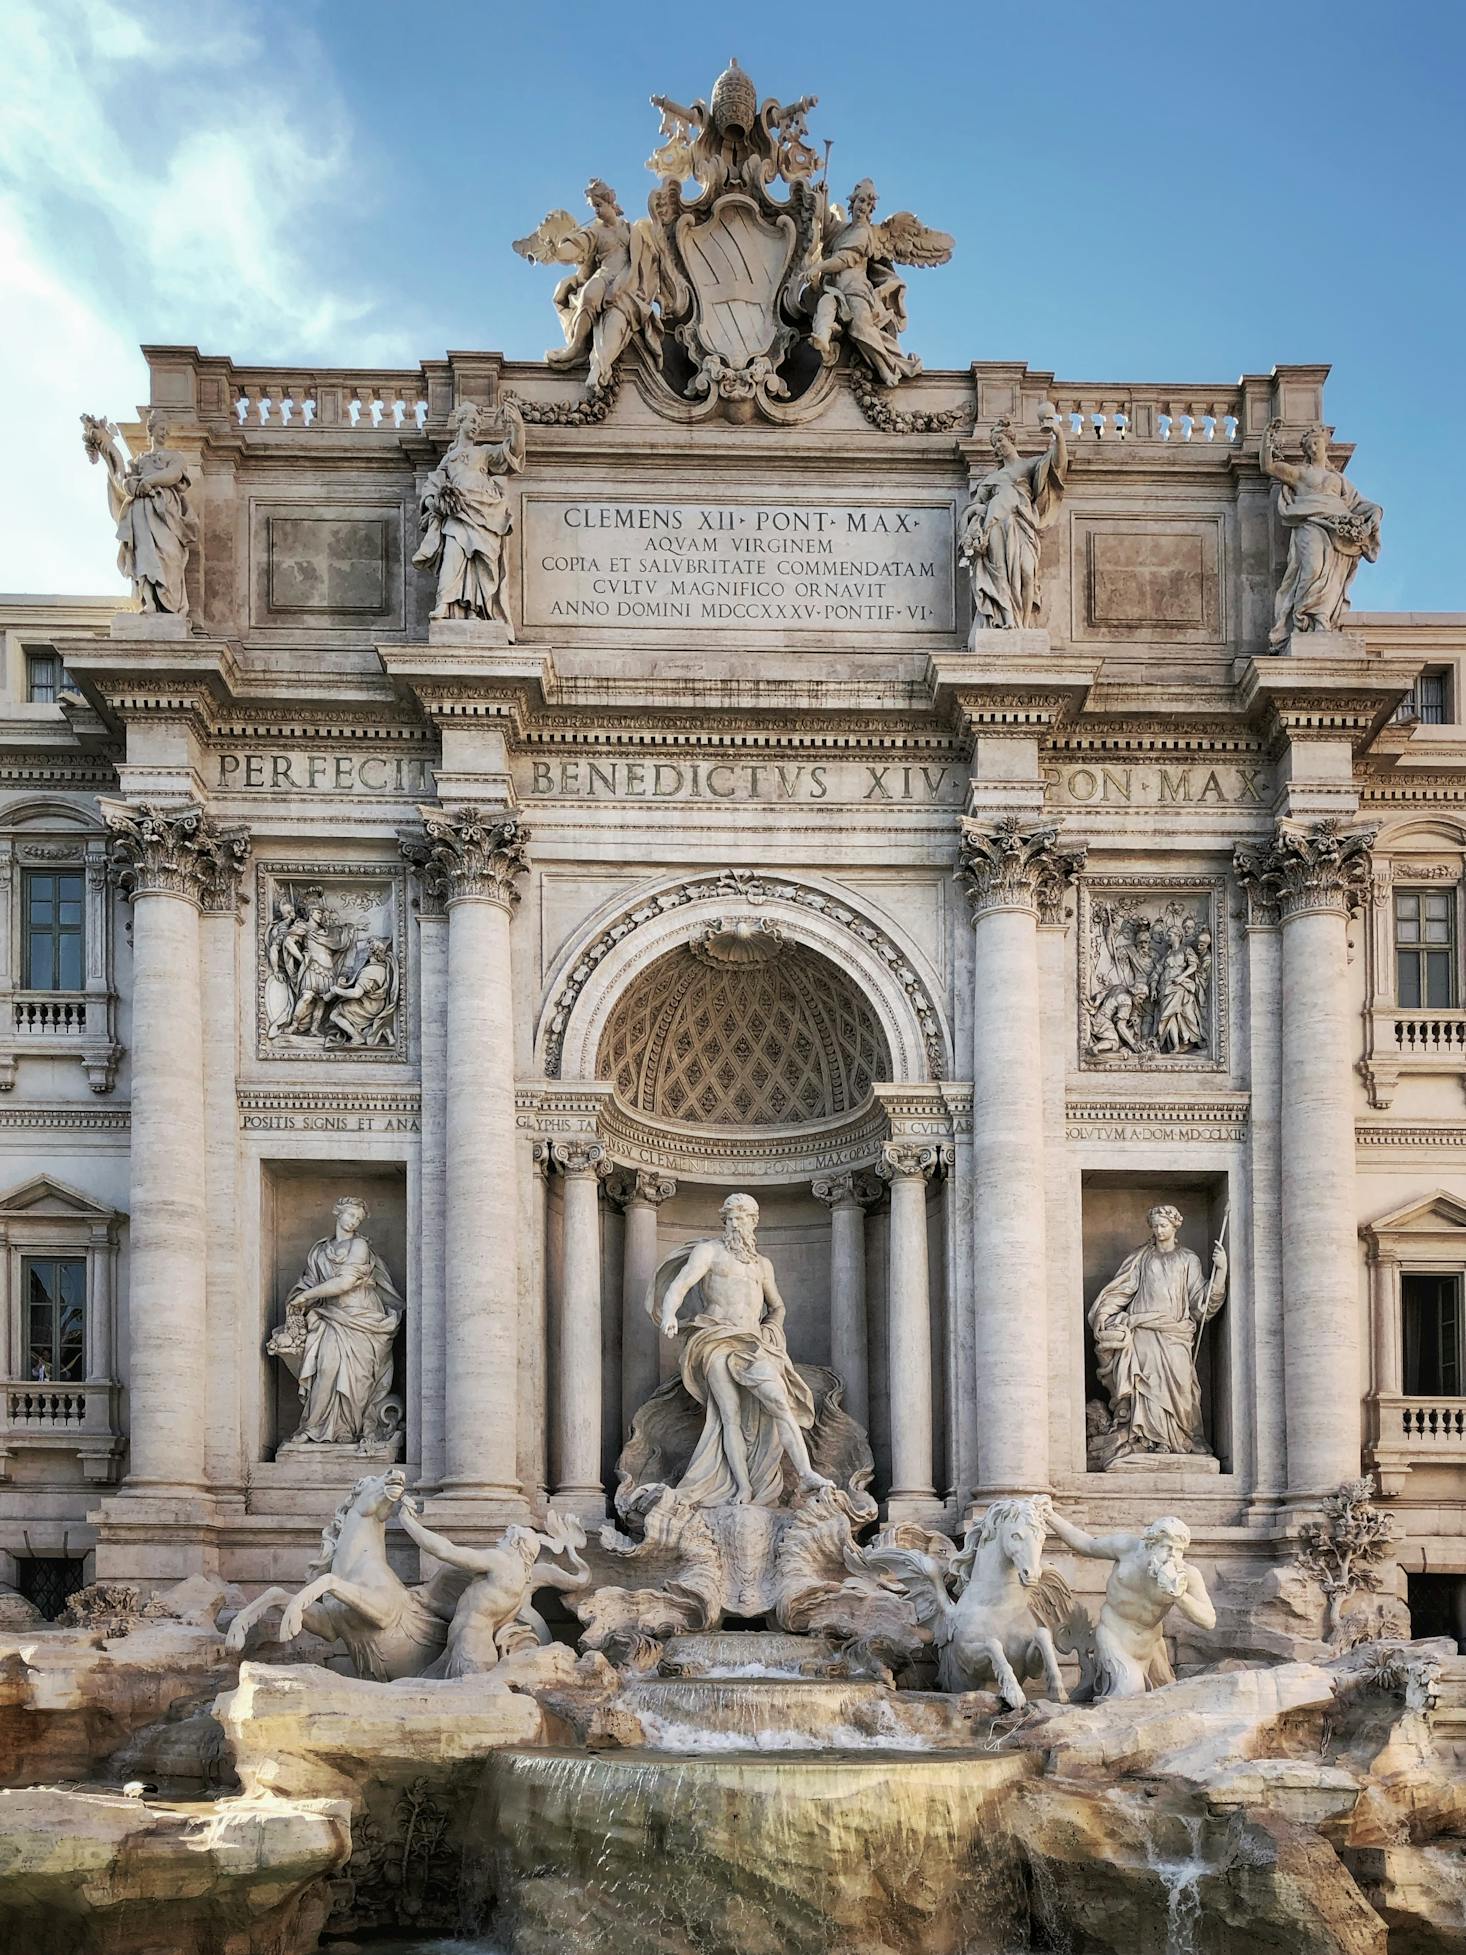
x: 164, y: 176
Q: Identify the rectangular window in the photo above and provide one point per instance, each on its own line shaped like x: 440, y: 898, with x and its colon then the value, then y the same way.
x: 1429, y: 699
x: 53, y: 930
x: 1432, y: 702
x: 46, y: 678
x: 1430, y: 1308
x: 1425, y: 949
x: 55, y: 1292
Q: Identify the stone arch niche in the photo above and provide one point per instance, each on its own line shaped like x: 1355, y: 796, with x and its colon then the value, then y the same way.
x: 761, y: 1032
x: 741, y: 1030
x: 627, y: 936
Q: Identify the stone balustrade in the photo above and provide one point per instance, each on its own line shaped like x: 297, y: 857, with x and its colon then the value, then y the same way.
x: 62, y: 1417
x: 47, y: 1014
x: 364, y: 401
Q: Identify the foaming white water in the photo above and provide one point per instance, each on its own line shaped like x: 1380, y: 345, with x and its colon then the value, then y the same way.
x: 674, y: 1734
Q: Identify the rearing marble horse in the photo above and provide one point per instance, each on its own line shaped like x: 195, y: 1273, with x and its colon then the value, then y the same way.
x: 390, y: 1630
x: 998, y: 1626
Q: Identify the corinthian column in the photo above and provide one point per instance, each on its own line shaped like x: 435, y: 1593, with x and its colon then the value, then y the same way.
x: 579, y: 1488
x: 908, y: 1166
x: 1311, y: 878
x: 1012, y: 874
x: 847, y: 1196
x: 171, y: 862
x: 472, y: 860
x: 640, y: 1193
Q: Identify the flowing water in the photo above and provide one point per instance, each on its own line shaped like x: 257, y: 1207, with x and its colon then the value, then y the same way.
x: 742, y: 1853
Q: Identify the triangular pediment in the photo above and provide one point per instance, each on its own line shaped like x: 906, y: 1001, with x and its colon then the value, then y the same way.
x: 1429, y: 1215
x: 44, y: 1199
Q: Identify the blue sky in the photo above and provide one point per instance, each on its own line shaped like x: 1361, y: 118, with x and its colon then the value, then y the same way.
x: 1138, y: 192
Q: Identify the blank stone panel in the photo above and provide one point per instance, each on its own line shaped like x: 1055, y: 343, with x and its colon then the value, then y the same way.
x: 326, y: 568
x: 1142, y: 578
x: 318, y: 563
x: 1155, y: 580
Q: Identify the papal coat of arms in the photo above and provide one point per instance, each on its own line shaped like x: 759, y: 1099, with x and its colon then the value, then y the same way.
x: 740, y: 297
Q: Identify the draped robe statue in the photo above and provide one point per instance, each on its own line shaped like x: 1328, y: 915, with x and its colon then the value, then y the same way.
x: 1330, y: 528
x: 341, y: 1320
x: 1147, y: 1323
x: 466, y: 517
x: 998, y: 535
x: 148, y: 498
x: 735, y: 1363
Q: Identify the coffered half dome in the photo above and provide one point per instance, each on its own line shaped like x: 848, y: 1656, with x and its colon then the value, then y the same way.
x: 743, y: 1030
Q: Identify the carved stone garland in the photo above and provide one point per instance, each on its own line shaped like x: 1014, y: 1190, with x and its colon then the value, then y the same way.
x: 1005, y: 867
x: 467, y: 853
x: 754, y: 889
x: 1325, y: 866
x: 180, y: 851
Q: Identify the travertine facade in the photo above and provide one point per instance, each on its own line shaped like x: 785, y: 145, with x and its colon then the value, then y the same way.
x: 703, y: 837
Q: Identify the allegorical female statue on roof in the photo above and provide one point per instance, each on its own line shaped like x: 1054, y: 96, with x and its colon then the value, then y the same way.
x: 148, y: 497
x: 466, y: 517
x: 1330, y: 528
x: 999, y: 531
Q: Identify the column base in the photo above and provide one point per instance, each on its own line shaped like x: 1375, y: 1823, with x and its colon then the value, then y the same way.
x: 154, y: 1535
x: 587, y: 1504
x: 469, y: 1513
x: 924, y: 1505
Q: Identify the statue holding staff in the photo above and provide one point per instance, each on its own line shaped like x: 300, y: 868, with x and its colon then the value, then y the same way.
x: 1147, y: 1323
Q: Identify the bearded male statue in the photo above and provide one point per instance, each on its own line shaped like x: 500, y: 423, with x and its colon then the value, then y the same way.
x: 735, y: 1363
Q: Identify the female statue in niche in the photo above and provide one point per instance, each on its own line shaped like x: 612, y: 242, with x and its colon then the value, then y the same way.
x: 998, y: 535
x: 1330, y: 527
x: 341, y: 1319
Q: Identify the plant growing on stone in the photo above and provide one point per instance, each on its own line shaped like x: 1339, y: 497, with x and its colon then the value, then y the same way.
x: 1345, y: 1551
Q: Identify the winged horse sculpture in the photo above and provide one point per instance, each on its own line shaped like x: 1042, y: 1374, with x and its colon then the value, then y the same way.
x: 992, y: 1609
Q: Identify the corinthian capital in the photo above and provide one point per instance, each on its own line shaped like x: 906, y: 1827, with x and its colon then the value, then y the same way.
x: 464, y: 853
x: 178, y: 850
x: 1319, y: 866
x: 1006, y: 866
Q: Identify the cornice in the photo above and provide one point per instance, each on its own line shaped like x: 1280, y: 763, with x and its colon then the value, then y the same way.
x: 1292, y: 698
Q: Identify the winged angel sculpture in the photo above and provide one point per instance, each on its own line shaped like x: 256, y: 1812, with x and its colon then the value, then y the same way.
x: 738, y: 297
x: 855, y: 289
x: 622, y: 286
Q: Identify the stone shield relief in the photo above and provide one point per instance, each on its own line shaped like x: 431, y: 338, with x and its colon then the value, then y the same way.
x: 1152, y: 975
x: 329, y: 961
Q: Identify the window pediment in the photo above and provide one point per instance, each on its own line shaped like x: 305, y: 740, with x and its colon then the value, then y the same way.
x: 44, y: 1199
x: 1437, y: 1214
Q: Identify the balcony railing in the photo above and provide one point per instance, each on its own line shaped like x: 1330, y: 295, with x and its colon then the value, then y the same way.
x: 51, y: 1417
x: 1431, y: 1035
x: 32, y: 1407
x: 1431, y: 1425
x: 1415, y: 1431
x: 48, y: 1014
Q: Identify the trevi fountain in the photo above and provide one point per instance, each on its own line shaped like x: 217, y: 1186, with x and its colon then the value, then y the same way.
x: 741, y: 1201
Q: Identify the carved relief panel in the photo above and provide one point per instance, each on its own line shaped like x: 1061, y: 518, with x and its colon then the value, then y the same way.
x: 329, y: 960
x: 1152, y: 974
